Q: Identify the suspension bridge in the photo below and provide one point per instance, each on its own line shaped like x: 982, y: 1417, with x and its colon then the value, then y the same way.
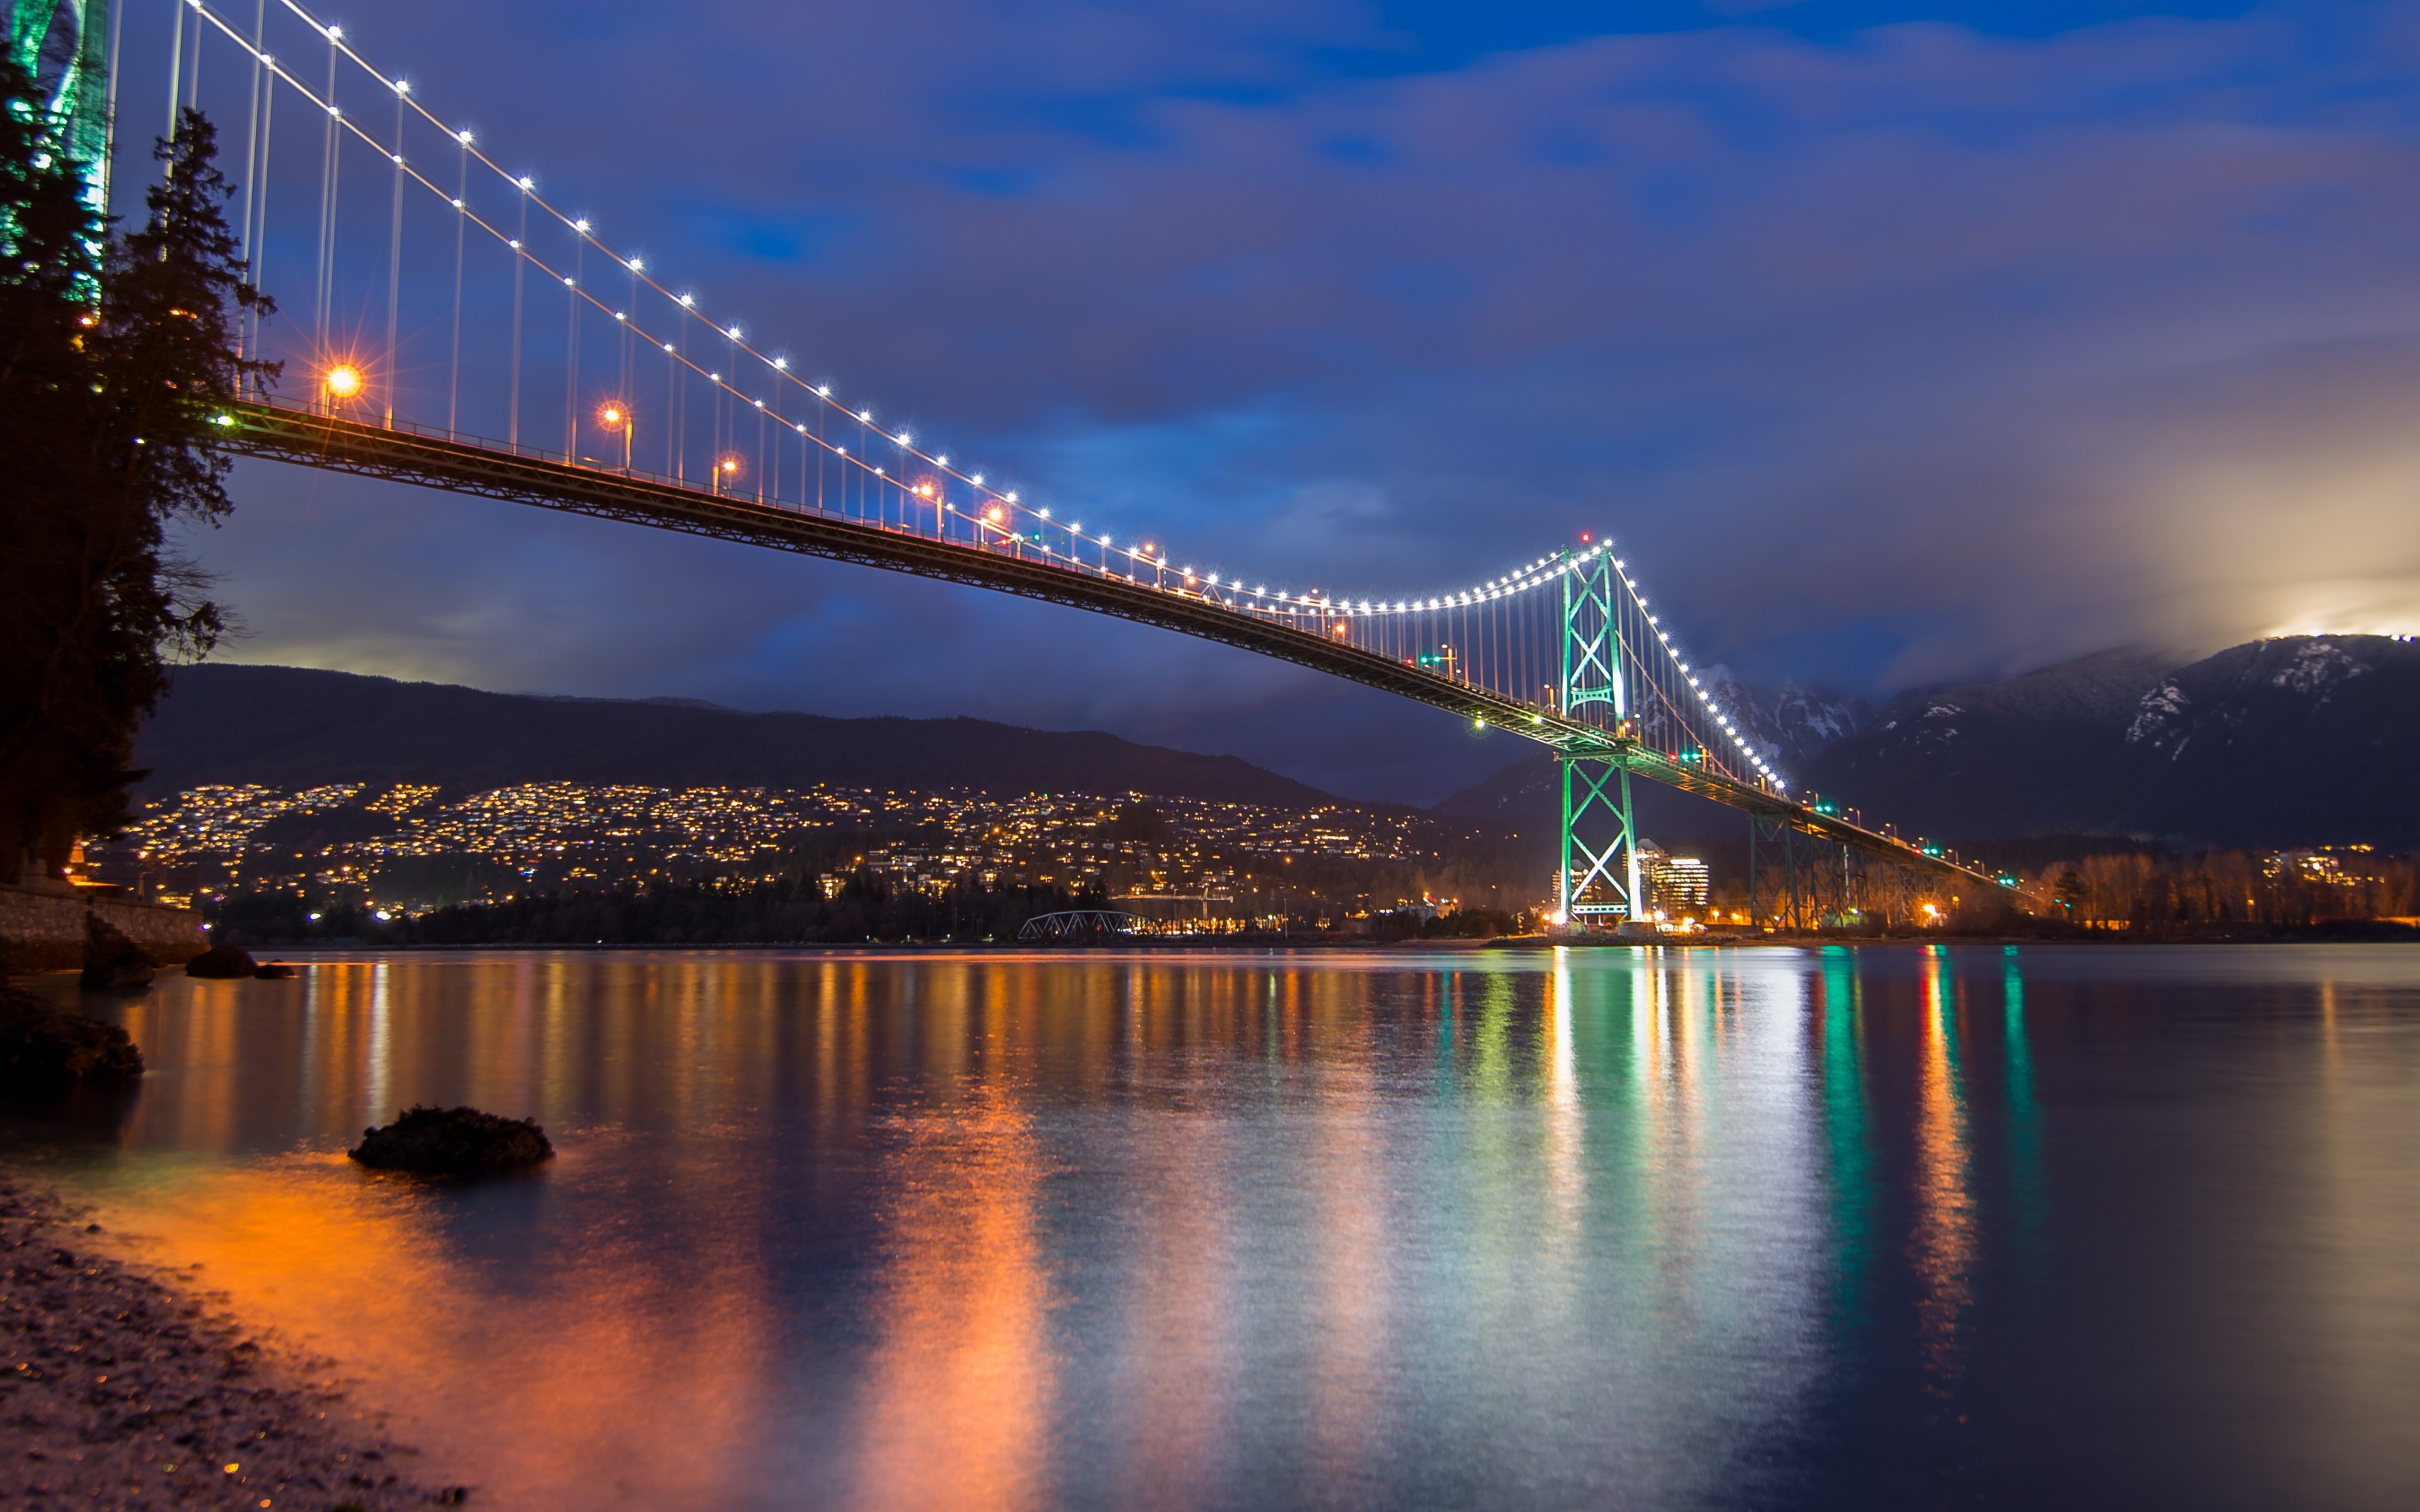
x: 466, y: 331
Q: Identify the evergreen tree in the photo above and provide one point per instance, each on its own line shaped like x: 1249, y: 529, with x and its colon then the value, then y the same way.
x: 114, y: 356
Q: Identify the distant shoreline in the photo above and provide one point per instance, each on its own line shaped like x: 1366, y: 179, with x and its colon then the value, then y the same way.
x: 2363, y: 933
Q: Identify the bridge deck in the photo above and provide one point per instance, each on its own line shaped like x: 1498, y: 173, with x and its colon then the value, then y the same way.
x: 550, y: 481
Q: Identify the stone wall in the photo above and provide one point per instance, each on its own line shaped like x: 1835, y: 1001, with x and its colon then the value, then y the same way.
x: 43, y: 931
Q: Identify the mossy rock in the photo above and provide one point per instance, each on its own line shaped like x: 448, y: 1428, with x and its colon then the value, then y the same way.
x: 45, y: 1048
x: 453, y: 1142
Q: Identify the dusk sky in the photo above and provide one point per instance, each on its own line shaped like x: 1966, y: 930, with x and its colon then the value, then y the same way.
x: 1896, y: 342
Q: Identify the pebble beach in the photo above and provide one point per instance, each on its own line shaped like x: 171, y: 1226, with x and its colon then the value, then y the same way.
x: 125, y: 1386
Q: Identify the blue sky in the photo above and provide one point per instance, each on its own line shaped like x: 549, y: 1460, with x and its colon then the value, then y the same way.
x: 1898, y: 344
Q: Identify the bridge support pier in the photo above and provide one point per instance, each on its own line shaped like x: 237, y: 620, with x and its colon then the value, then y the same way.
x: 1597, y: 881
x: 1781, y: 864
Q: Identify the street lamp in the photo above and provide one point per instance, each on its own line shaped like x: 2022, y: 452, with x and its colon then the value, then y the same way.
x: 342, y: 384
x: 723, y: 471
x: 614, y: 416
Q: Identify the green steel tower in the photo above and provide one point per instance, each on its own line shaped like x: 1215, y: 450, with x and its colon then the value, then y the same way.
x: 1598, y: 877
x: 64, y: 44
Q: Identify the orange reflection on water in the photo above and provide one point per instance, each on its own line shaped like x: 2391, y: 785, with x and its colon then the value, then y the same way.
x: 316, y: 1255
x: 1943, y: 1245
x: 958, y: 1392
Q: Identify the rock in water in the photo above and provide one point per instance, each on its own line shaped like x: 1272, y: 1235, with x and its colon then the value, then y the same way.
x: 47, y: 1049
x: 274, y: 971
x: 224, y: 962
x: 453, y: 1142
x: 113, y: 962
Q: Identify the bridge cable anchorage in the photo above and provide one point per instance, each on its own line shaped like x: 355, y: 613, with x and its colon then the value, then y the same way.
x: 1564, y: 649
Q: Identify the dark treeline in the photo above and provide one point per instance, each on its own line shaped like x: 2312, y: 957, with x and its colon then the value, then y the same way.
x: 2152, y: 892
x: 786, y: 910
x: 778, y: 911
x: 116, y: 352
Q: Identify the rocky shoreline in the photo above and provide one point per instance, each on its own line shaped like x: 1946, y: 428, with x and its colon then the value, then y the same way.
x: 123, y: 1389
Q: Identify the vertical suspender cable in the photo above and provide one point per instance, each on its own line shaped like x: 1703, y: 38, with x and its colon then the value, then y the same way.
x: 245, y: 238
x: 395, y: 261
x: 571, y: 347
x: 257, y: 255
x: 194, y: 75
x: 109, y: 126
x: 461, y: 213
x: 176, y: 66
x: 513, y: 407
x: 328, y: 148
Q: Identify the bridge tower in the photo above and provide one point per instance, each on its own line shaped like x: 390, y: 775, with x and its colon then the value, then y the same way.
x: 1597, y: 881
x: 64, y: 46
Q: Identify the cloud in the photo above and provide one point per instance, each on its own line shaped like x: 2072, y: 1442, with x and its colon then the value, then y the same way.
x: 1904, y: 353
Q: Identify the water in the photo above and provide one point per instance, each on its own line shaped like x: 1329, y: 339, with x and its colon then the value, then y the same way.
x: 1761, y: 1228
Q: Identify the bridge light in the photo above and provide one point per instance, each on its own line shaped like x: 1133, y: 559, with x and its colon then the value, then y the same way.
x: 733, y: 332
x: 977, y: 481
x: 865, y: 417
x: 943, y: 460
x: 823, y: 391
x: 687, y: 299
x: 780, y: 365
x: 668, y: 346
x: 1011, y: 497
x: 336, y: 34
x: 343, y: 382
x: 611, y: 416
x: 581, y: 225
x: 995, y: 514
x: 462, y: 136
x: 527, y: 183
x: 637, y: 265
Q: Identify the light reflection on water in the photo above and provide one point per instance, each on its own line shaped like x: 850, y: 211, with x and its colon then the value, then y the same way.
x: 1719, y: 1228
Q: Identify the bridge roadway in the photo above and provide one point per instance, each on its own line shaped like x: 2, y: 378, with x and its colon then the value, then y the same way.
x: 434, y: 460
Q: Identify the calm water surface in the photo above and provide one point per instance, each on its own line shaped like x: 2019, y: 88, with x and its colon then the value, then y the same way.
x: 1763, y: 1227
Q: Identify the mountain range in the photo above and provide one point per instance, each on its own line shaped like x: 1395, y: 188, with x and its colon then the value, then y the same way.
x: 2298, y: 740
x: 2291, y: 741
x: 291, y: 727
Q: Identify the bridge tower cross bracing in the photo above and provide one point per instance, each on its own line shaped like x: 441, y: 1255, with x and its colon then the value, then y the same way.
x: 1596, y: 879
